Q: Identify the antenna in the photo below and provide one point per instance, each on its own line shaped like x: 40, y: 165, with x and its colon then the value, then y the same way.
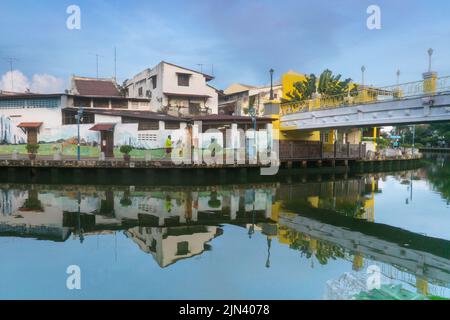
x: 201, y: 67
x: 11, y: 61
x: 212, y: 69
x: 115, y: 64
x: 96, y: 57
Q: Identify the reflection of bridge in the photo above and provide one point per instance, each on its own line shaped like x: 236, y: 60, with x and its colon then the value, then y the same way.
x: 417, y: 102
x: 423, y: 256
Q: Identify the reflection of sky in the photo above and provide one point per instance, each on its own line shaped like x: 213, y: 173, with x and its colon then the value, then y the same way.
x: 428, y: 213
x: 234, y: 269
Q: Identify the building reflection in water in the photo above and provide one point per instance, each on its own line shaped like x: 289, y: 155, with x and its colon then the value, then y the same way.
x: 323, y: 220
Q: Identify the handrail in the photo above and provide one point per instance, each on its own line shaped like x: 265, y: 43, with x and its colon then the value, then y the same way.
x: 370, y: 95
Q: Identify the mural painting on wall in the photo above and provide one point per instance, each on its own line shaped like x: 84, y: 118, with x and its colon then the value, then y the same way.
x: 63, y: 139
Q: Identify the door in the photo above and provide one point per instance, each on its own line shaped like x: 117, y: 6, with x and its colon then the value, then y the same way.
x: 107, y: 143
x: 32, y: 136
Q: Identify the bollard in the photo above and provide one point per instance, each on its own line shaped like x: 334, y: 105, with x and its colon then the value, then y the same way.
x: 102, y: 156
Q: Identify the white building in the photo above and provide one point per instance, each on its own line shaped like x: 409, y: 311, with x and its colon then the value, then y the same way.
x: 174, y: 89
x: 237, y: 98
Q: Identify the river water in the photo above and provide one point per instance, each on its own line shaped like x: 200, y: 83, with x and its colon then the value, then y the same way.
x: 316, y: 238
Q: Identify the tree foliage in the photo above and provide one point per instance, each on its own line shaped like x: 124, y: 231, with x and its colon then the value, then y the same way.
x: 327, y: 85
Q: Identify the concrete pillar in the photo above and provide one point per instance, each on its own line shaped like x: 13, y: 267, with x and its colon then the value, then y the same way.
x: 197, y: 142
x: 429, y: 82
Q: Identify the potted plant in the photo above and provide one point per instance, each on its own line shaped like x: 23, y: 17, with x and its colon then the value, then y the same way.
x: 32, y: 149
x: 126, y: 149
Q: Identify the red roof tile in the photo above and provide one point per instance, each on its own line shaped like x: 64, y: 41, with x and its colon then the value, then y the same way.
x: 29, y: 125
x: 96, y: 87
x: 103, y: 127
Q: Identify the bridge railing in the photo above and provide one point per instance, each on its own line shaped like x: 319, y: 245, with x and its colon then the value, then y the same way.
x: 370, y: 95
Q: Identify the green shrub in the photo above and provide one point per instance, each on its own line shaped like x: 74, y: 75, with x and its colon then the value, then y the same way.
x: 126, y: 149
x: 32, y: 148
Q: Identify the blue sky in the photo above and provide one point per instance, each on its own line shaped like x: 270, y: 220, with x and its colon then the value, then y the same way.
x: 243, y: 39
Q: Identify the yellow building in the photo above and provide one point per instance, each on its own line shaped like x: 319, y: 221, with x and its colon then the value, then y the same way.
x: 330, y: 136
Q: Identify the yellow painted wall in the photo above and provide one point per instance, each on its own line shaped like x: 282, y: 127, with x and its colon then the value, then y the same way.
x: 288, y: 79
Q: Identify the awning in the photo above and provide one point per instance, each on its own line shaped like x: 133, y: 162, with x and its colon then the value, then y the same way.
x: 29, y: 125
x: 103, y: 127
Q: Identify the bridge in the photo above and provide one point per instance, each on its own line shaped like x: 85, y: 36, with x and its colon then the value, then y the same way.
x: 417, y: 102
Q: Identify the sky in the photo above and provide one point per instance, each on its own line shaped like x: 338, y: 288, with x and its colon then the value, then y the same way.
x: 237, y: 40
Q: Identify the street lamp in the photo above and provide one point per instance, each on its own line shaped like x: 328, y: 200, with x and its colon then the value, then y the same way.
x: 363, y: 69
x: 271, y: 83
x: 79, y: 116
x: 430, y: 53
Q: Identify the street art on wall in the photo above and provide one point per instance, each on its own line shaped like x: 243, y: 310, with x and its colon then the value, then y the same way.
x: 9, y: 133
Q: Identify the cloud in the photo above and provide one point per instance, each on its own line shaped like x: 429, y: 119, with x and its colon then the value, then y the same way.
x: 40, y: 83
x: 16, y: 79
x: 45, y: 83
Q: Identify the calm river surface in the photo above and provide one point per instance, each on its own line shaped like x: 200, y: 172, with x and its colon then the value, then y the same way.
x: 313, y: 239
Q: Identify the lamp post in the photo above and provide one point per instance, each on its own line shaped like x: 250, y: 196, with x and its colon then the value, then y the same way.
x: 271, y: 83
x: 430, y: 54
x: 363, y: 69
x: 79, y: 116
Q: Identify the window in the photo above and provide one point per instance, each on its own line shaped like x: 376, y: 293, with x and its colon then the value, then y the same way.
x: 140, y: 91
x: 183, y: 79
x: 172, y: 125
x: 119, y: 104
x: 182, y: 248
x: 148, y: 125
x: 81, y: 102
x: 154, y: 81
x: 29, y: 103
x: 101, y: 103
x: 194, y: 108
x: 70, y: 117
